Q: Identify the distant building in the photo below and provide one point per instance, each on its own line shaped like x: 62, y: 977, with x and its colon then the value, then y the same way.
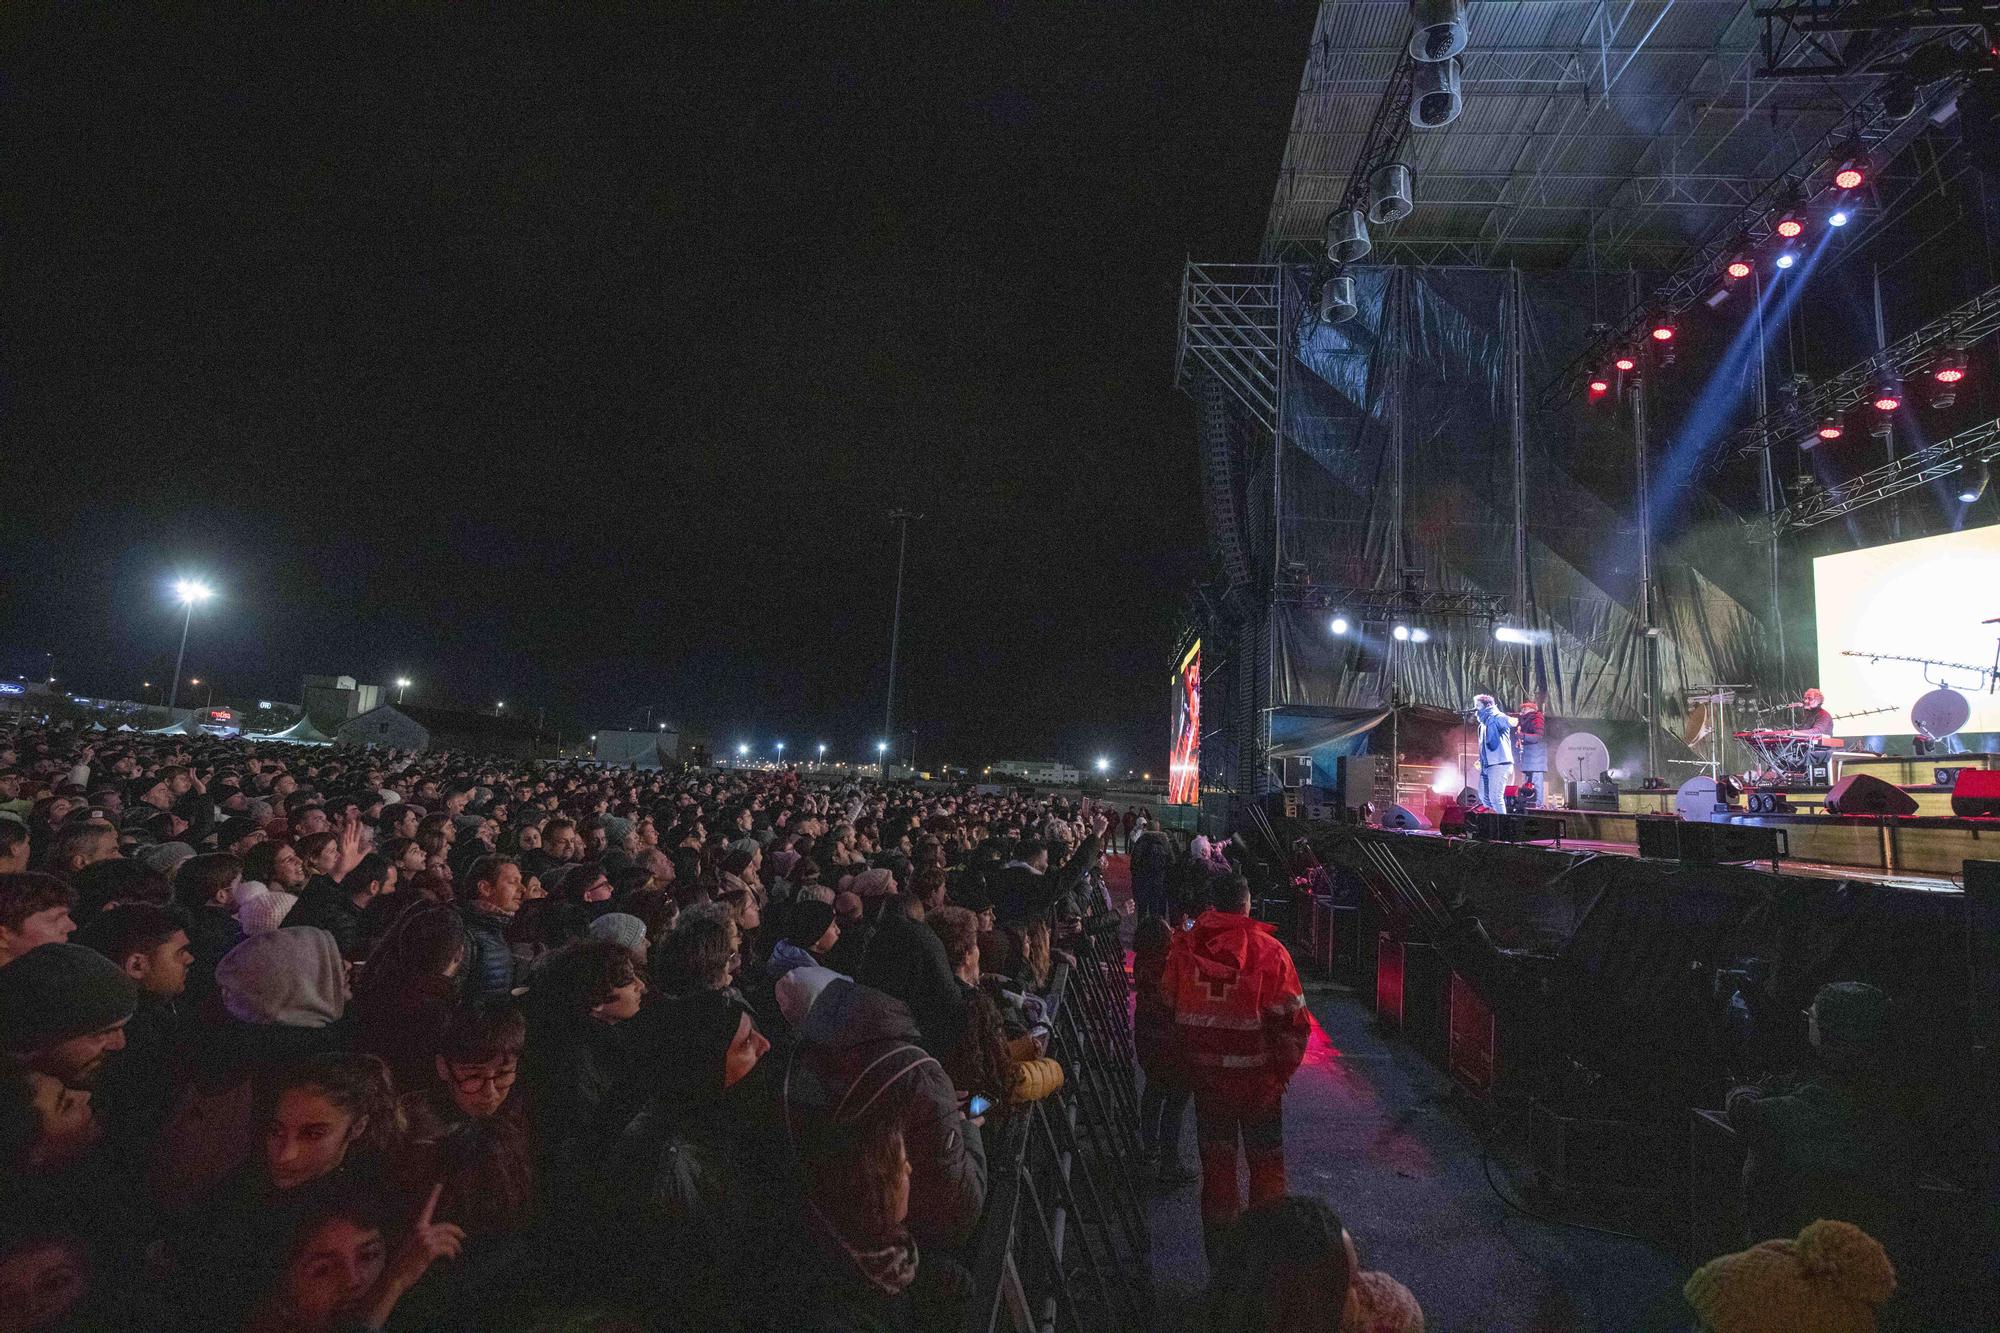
x: 646, y: 749
x: 409, y: 727
x: 1046, y: 772
x: 332, y: 700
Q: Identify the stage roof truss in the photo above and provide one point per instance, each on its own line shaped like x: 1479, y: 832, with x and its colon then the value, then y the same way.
x: 1939, y: 462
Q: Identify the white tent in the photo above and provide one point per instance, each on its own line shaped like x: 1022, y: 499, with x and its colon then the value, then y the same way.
x: 184, y: 727
x: 301, y: 732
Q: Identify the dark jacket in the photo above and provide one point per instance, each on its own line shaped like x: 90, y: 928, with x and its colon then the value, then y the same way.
x: 212, y: 932
x: 404, y: 1024
x: 489, y: 962
x: 1152, y: 861
x: 325, y: 904
x: 1021, y: 896
x: 858, y: 1054
x: 136, y: 1092
x: 568, y: 1073
x: 906, y: 959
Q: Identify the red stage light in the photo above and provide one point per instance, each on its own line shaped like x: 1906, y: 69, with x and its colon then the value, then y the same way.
x: 1663, y: 332
x: 1850, y: 176
x: 1789, y: 226
x: 1950, y: 367
x: 1599, y: 387
x: 1888, y: 398
x: 1949, y: 375
x: 1738, y: 269
x: 1625, y: 362
x: 1830, y: 429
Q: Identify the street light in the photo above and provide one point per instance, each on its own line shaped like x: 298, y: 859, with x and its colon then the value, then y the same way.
x: 822, y: 752
x: 402, y: 683
x: 1103, y: 764
x: 743, y: 752
x: 190, y: 592
x: 498, y: 706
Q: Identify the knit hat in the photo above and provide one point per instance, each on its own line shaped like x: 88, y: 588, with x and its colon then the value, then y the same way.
x: 847, y: 907
x: 291, y: 976
x: 59, y: 991
x: 1853, y: 1014
x: 799, y: 989
x: 265, y: 911
x: 1829, y: 1280
x: 622, y: 928
x: 807, y: 921
x: 873, y: 883
x: 166, y: 858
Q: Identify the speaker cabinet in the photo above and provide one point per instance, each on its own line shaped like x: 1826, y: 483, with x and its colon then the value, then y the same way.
x: 1860, y: 794
x: 1402, y: 817
x: 1355, y: 779
x: 1976, y: 791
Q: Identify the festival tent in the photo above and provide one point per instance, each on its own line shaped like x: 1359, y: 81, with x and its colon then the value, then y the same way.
x: 301, y: 732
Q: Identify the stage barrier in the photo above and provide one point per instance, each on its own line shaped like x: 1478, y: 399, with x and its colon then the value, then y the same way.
x: 1063, y: 1245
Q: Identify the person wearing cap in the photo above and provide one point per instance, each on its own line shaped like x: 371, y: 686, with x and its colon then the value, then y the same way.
x: 1831, y: 1279
x: 1843, y: 1144
x: 63, y: 1011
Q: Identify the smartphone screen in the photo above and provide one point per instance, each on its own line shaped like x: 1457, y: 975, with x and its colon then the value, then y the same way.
x: 978, y: 1105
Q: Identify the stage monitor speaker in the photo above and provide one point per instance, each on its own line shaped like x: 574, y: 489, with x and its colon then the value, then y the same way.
x: 1355, y: 780
x: 1402, y: 817
x: 1860, y: 794
x: 1659, y: 836
x: 1982, y: 901
x: 1976, y: 791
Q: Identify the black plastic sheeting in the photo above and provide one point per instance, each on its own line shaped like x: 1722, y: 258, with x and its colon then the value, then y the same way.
x: 1427, y: 362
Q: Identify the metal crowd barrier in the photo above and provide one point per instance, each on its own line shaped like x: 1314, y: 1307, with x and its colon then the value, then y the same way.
x: 1063, y: 1245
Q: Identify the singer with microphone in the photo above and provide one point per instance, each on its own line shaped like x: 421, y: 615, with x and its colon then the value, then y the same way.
x: 1816, y: 719
x: 1496, y: 751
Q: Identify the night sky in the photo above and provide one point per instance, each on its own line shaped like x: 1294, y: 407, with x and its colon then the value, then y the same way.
x: 575, y: 361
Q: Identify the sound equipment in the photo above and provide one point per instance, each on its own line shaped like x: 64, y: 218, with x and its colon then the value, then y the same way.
x: 1982, y: 901
x: 1666, y: 838
x: 1292, y: 770
x: 1402, y: 817
x: 1975, y: 791
x: 1860, y: 794
x: 1354, y: 780
x: 1493, y: 826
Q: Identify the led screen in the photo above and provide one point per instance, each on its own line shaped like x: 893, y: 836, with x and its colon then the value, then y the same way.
x: 1184, y: 762
x: 1923, y: 598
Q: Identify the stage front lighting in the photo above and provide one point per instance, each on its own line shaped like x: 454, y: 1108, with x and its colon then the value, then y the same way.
x: 1508, y: 634
x: 1401, y: 633
x: 1339, y: 625
x: 1625, y: 361
x: 1420, y: 635
x: 1888, y: 397
x: 1662, y: 331
x: 1790, y: 226
x: 1850, y: 175
x: 1787, y: 259
x: 1837, y: 218
x: 1738, y: 269
x: 1830, y: 429
x: 1972, y: 481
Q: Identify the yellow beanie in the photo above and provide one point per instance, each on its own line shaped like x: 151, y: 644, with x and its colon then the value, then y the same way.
x: 1829, y: 1280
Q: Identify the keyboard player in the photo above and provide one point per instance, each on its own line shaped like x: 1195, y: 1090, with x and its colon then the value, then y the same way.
x: 1812, y: 714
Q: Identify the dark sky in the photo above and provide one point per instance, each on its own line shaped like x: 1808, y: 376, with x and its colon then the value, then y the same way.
x: 575, y: 360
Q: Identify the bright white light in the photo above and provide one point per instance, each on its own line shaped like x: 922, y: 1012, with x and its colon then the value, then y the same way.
x: 1339, y: 625
x: 1837, y: 218
x: 192, y: 591
x: 881, y: 747
x: 742, y: 750
x: 1103, y: 764
x: 1401, y: 633
x: 822, y: 749
x: 263, y: 703
x: 1508, y: 634
x: 1449, y: 781
x: 404, y: 682
x: 1420, y: 635
x: 1787, y: 259
x: 781, y: 747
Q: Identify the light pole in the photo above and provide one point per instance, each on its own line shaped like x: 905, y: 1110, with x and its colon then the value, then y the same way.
x: 500, y: 704
x: 882, y: 759
x: 902, y: 519
x: 781, y: 752
x: 402, y: 683
x: 190, y: 591
x: 822, y: 754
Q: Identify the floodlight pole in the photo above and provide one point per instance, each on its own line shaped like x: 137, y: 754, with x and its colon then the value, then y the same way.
x: 902, y: 518
x: 1649, y: 632
x: 174, y: 692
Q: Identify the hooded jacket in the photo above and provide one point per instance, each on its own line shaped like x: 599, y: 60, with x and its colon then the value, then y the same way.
x: 291, y: 975
x: 906, y: 959
x: 858, y: 1055
x: 1239, y: 1012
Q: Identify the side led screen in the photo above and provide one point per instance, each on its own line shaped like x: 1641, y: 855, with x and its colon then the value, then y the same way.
x: 1184, y: 762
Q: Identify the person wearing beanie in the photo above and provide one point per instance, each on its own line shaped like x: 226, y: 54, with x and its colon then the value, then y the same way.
x: 167, y: 857
x: 263, y: 913
x: 63, y: 1011
x: 812, y: 926
x: 1844, y: 1143
x: 623, y: 929
x: 1831, y: 1279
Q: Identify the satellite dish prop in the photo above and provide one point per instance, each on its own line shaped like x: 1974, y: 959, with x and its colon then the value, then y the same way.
x: 1580, y: 757
x: 1700, y: 799
x: 1940, y: 714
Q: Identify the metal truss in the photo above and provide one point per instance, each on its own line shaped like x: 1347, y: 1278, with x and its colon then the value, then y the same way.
x: 1230, y: 323
x: 1905, y: 360
x: 1796, y: 33
x: 1981, y: 444
x: 1383, y: 603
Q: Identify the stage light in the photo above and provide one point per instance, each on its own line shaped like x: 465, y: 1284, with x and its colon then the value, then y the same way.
x: 1830, y: 429
x: 1888, y: 396
x: 1972, y: 481
x: 1837, y: 218
x: 1599, y: 386
x: 1786, y: 259
x: 1662, y: 331
x: 1950, y: 367
x: 1625, y: 361
x: 1339, y: 625
x: 1850, y: 175
x: 1738, y: 269
x: 1790, y: 225
x: 1508, y: 634
x: 1401, y: 633
x: 1420, y: 635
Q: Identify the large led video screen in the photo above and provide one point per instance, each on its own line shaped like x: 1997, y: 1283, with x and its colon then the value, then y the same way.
x: 1916, y: 599
x: 1184, y: 760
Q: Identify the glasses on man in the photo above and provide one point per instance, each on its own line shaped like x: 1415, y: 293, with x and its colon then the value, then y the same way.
x: 479, y: 1077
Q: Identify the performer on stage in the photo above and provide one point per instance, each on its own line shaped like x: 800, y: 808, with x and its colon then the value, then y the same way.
x: 1496, y: 751
x: 1815, y: 717
x: 1534, y: 757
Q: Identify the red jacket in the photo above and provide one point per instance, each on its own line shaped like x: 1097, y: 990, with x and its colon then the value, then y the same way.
x: 1239, y: 1012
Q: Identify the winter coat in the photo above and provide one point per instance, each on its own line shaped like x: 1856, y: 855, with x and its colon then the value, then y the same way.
x: 906, y: 959
x: 569, y: 1069
x: 212, y: 932
x: 489, y: 963
x: 484, y: 1164
x: 858, y: 1054
x: 325, y: 904
x: 1020, y: 895
x: 403, y: 1023
x: 1239, y: 1012
x: 1152, y: 860
x: 1153, y: 1029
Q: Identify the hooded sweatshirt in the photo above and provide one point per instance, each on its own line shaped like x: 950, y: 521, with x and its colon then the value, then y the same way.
x: 1239, y: 1011
x: 291, y: 975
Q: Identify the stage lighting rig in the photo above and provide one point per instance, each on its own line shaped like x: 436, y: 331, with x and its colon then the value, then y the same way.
x: 1737, y: 269
x: 1790, y: 224
x: 1851, y: 174
x: 1625, y: 362
x: 1829, y: 430
x: 1338, y: 626
x: 1599, y: 386
x: 1973, y: 479
x: 1950, y: 367
x: 1662, y: 331
x: 1837, y: 218
x: 1888, y: 396
x: 1786, y: 258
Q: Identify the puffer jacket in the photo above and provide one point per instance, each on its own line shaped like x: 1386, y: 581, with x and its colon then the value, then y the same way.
x: 858, y: 1055
x: 489, y: 963
x: 1239, y: 1012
